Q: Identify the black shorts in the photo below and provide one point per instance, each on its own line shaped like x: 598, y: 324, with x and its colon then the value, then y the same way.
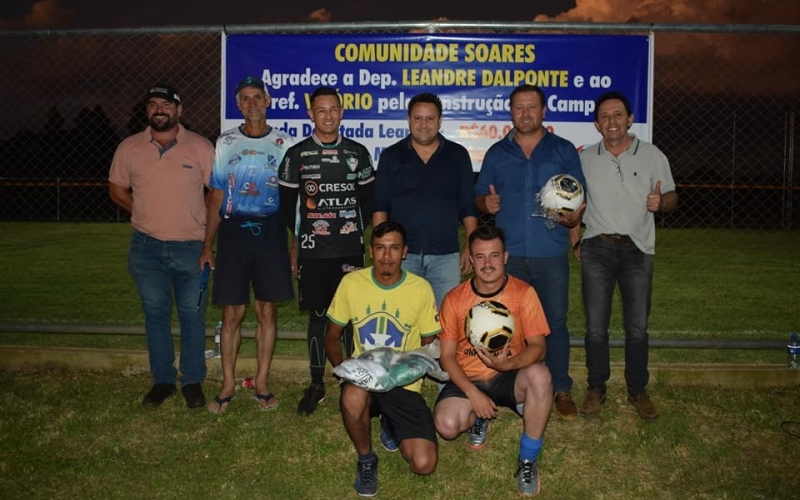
x: 318, y: 279
x: 406, y: 414
x: 500, y: 389
x: 252, y: 250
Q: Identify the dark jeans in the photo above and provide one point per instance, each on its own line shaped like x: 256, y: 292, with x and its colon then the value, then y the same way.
x: 604, y: 264
x: 549, y: 276
x: 159, y: 269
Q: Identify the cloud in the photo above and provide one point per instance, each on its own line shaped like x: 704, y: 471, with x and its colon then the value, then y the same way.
x: 682, y: 11
x: 708, y: 62
x: 43, y: 14
x: 320, y: 16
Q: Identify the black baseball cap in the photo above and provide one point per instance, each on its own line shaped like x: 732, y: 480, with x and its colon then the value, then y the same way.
x: 165, y: 92
x: 251, y: 81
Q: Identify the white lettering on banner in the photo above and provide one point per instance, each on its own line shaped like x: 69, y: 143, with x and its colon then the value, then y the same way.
x: 393, y: 103
x: 306, y: 78
x: 375, y: 79
x: 585, y: 106
x: 287, y: 102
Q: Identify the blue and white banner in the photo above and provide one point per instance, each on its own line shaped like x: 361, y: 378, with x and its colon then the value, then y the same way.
x: 473, y: 75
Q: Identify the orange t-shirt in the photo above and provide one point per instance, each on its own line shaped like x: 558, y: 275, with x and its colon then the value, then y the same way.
x: 168, y: 187
x: 519, y: 297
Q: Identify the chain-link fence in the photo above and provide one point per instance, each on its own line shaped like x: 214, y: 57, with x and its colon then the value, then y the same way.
x: 725, y: 106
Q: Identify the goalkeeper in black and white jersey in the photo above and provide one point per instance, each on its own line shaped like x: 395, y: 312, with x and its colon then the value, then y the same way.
x: 326, y: 183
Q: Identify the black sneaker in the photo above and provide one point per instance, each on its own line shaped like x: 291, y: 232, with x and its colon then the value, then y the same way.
x: 158, y: 394
x: 367, y: 477
x: 193, y: 394
x: 313, y: 395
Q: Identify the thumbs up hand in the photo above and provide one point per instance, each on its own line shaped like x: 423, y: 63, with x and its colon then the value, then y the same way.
x: 654, y: 198
x: 492, y: 201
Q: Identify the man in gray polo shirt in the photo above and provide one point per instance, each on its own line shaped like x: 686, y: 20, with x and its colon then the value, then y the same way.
x: 627, y: 181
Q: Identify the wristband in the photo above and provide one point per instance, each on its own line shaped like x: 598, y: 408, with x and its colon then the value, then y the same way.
x: 576, y: 245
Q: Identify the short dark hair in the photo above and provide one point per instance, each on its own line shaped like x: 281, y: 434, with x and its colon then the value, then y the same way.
x: 387, y: 227
x: 526, y: 88
x: 426, y: 97
x: 487, y: 233
x: 609, y: 96
x: 321, y: 91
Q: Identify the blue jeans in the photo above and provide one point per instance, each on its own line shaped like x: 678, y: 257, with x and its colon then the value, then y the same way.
x: 159, y: 268
x: 549, y: 276
x: 443, y: 272
x: 604, y: 264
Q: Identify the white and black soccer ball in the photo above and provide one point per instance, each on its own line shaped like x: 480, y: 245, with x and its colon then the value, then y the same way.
x: 489, y: 325
x: 562, y: 193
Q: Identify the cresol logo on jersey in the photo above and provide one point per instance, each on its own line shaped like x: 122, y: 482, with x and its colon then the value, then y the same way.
x: 336, y: 187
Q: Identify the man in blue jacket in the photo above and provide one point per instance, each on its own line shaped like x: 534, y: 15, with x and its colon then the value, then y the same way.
x: 514, y: 170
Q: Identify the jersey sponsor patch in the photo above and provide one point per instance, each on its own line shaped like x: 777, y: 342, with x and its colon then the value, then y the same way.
x: 311, y: 188
x: 349, y: 227
x: 365, y: 174
x: 321, y: 227
x: 323, y: 215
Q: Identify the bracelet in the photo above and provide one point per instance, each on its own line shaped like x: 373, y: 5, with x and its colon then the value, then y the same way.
x: 576, y: 245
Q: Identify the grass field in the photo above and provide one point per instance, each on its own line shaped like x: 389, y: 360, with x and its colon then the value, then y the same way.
x: 708, y: 283
x: 70, y: 435
x: 85, y: 435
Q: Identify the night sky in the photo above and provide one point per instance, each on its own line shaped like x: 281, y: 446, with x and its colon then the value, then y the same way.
x: 77, y: 14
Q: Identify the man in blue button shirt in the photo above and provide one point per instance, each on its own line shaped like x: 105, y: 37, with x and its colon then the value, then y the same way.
x: 514, y: 170
x: 425, y: 183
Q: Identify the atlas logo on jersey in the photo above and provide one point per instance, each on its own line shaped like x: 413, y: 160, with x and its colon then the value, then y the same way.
x: 337, y: 202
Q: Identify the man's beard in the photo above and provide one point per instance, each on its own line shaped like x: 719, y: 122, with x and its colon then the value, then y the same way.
x: 160, y: 126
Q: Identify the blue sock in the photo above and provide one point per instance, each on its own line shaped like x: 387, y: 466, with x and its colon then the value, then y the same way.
x: 529, y: 448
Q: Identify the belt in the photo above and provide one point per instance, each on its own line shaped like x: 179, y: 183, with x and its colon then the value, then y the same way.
x: 620, y: 239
